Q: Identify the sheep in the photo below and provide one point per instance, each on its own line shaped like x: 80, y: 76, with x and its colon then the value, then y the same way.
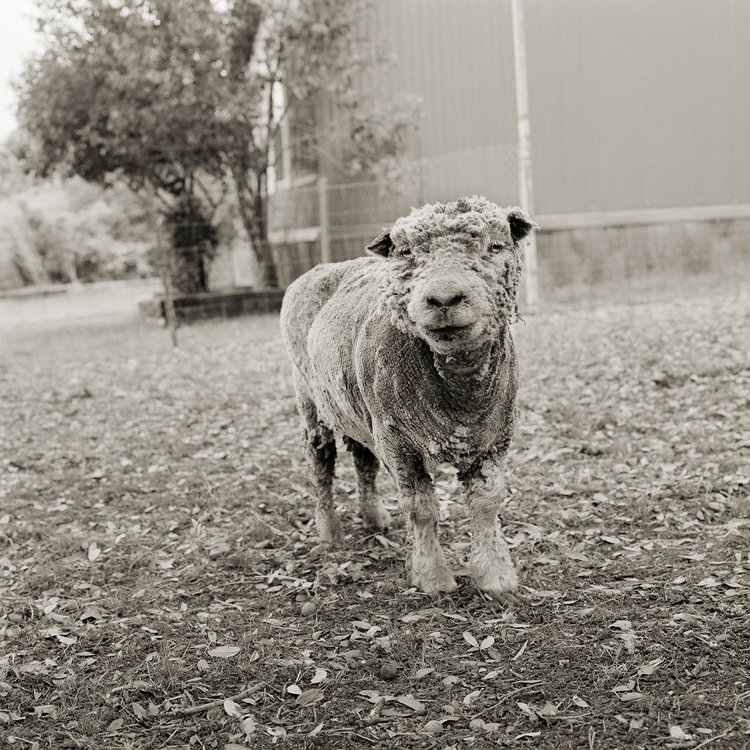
x: 407, y: 354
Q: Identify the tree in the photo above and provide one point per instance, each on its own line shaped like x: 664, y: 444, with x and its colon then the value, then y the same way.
x: 124, y: 90
x: 180, y: 98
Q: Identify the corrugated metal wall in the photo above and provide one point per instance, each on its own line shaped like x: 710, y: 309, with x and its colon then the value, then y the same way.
x: 639, y: 103
x: 634, y: 103
x: 456, y: 55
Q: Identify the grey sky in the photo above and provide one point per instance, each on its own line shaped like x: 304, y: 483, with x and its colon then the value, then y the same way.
x: 17, y: 41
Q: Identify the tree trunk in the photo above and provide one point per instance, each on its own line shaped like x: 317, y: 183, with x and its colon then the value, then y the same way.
x: 254, y: 213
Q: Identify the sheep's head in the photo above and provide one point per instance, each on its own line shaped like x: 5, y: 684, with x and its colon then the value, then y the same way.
x: 454, y: 271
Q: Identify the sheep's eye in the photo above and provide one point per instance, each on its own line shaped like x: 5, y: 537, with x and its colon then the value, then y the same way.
x: 406, y: 252
x: 496, y: 247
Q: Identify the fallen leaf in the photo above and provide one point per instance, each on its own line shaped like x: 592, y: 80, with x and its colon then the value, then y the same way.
x: 411, y: 618
x: 90, y: 613
x: 224, y: 652
x: 526, y: 708
x: 309, y: 697
x: 547, y: 710
x: 622, y: 625
x: 93, y: 551
x: 709, y: 582
x: 409, y: 700
x: 248, y: 725
x: 520, y: 651
x: 624, y: 687
x: 469, y: 698
x: 453, y: 616
x: 232, y: 708
x: 650, y: 667
x: 424, y: 672
x: 676, y: 733
x: 115, y: 725
x: 629, y: 697
x: 319, y: 676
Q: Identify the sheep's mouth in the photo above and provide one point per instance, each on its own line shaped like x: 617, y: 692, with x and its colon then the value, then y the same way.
x: 446, y: 333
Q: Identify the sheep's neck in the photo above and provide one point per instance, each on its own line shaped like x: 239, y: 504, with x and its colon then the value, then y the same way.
x: 469, y: 369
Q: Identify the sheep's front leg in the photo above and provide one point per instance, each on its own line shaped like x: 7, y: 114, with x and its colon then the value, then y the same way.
x: 489, y: 562
x: 428, y: 569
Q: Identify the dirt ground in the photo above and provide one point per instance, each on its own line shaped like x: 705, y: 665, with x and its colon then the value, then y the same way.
x: 161, y: 584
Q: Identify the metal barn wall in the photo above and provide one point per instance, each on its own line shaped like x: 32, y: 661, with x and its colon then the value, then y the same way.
x: 634, y: 103
x: 457, y: 55
x: 639, y: 103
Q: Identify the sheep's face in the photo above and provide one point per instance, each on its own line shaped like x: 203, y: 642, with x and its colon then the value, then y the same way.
x: 454, y: 271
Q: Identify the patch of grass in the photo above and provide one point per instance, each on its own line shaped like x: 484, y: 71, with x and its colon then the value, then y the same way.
x: 162, y: 585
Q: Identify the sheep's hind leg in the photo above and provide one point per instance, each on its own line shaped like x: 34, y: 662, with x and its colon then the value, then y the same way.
x: 374, y: 514
x: 489, y: 562
x: 320, y: 447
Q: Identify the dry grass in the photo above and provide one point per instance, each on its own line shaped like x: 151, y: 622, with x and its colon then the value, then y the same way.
x: 154, y: 510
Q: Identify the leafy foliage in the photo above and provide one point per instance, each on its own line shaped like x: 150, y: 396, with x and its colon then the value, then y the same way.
x: 127, y: 88
x: 76, y: 231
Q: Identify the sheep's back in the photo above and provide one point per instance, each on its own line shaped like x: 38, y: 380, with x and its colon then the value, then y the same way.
x: 323, y: 313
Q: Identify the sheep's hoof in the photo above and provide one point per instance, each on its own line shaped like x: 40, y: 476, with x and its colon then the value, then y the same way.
x: 329, y: 529
x: 376, y: 518
x: 434, y: 580
x: 501, y: 588
x: 503, y: 597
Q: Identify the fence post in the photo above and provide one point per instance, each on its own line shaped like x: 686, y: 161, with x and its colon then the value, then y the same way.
x: 525, y: 184
x: 325, y: 246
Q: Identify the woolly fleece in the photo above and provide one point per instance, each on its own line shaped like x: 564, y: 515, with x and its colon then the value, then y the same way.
x: 408, y: 355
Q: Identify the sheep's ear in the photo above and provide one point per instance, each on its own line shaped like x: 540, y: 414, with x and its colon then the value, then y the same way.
x: 520, y: 223
x: 382, y: 244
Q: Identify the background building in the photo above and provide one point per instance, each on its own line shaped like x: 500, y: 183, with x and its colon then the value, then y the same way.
x: 640, y: 130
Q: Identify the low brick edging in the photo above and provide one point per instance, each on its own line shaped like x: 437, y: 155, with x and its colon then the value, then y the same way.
x: 228, y: 304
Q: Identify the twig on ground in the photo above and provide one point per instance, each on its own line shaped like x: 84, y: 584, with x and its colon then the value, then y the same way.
x: 713, y: 739
x: 525, y: 688
x: 219, y: 702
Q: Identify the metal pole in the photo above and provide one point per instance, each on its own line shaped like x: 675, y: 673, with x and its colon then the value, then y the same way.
x: 325, y: 245
x: 525, y: 184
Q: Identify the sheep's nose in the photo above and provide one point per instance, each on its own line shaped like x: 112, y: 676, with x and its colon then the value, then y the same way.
x: 445, y: 298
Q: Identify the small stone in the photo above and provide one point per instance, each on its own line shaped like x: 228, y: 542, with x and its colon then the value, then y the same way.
x: 433, y: 727
x: 308, y: 608
x: 388, y: 671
